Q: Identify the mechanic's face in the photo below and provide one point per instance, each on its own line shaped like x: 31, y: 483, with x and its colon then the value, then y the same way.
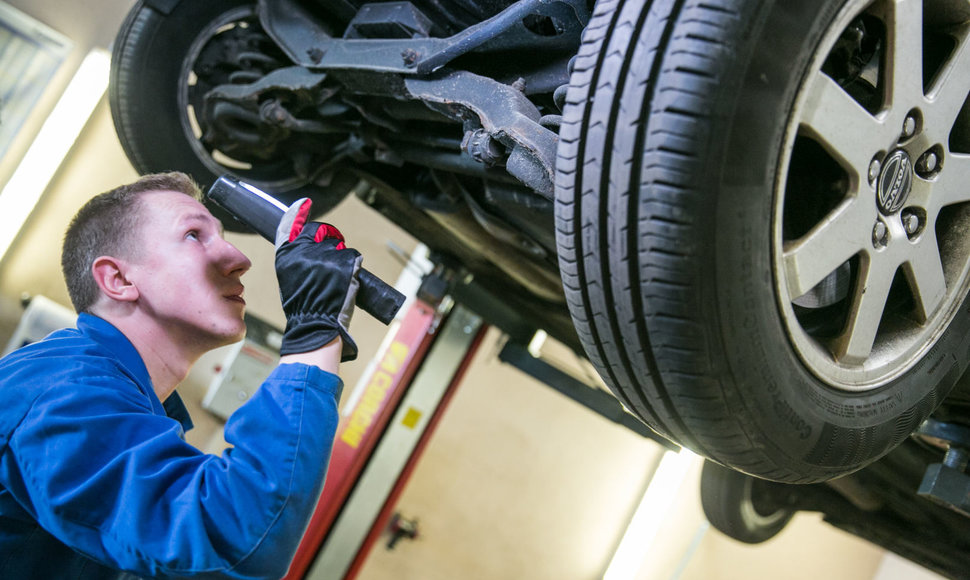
x: 188, y: 276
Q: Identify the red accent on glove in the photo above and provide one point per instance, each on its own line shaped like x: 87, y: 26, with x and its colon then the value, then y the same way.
x: 326, y: 231
x: 300, y: 220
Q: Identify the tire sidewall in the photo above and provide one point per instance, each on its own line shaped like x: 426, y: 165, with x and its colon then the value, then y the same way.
x: 777, y: 392
x: 147, y: 65
x: 155, y: 57
x: 724, y: 493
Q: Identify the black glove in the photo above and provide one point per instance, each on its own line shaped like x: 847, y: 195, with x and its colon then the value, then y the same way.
x: 317, y: 274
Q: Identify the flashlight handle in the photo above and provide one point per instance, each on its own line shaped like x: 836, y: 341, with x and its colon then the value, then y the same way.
x: 262, y: 213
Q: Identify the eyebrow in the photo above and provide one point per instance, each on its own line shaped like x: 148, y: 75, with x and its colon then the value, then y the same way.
x: 203, y: 217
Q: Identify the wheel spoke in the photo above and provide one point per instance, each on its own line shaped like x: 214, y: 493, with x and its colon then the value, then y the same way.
x: 951, y: 185
x: 950, y: 89
x: 826, y: 247
x: 855, y: 343
x: 925, y: 274
x: 847, y: 131
x: 925, y: 194
x: 904, y: 65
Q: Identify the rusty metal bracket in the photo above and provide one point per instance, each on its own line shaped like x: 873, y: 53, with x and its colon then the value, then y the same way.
x: 504, y: 113
x: 238, y: 117
x: 308, y: 43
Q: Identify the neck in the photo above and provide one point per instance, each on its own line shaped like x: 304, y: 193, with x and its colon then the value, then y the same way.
x: 168, y: 362
x: 167, y: 357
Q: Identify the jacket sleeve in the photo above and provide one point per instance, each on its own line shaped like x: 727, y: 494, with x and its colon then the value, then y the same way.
x: 119, y: 484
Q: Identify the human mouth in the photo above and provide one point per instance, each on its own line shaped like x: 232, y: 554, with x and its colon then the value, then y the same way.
x: 236, y: 297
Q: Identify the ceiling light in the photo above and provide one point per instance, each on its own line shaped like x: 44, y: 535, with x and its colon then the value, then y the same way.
x: 52, y: 144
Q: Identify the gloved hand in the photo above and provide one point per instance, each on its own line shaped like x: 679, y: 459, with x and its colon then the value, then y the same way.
x: 317, y: 274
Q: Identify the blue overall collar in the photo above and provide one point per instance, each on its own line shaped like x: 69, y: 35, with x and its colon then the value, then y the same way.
x: 108, y: 336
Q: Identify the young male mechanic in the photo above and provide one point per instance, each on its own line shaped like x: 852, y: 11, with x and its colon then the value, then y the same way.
x: 95, y: 476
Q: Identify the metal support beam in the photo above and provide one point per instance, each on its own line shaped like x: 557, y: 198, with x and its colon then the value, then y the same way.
x: 597, y: 400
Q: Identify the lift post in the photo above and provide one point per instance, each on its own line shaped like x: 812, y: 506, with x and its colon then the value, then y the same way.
x: 383, y: 431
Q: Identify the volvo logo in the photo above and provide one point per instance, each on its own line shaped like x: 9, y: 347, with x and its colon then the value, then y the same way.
x: 895, y: 182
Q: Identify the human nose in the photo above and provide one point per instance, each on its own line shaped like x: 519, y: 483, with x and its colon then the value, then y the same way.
x: 234, y: 261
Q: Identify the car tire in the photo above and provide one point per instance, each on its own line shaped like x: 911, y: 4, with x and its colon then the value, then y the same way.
x: 733, y: 504
x: 719, y: 237
x: 157, y: 85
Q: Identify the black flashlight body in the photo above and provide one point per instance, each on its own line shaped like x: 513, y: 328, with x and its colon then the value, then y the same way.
x: 262, y: 213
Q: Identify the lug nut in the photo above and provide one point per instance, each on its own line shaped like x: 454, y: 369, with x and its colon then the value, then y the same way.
x: 880, y: 235
x: 909, y: 126
x: 874, y: 167
x: 928, y: 163
x: 911, y: 223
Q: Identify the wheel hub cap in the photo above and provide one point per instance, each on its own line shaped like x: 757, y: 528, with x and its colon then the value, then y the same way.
x: 895, y: 182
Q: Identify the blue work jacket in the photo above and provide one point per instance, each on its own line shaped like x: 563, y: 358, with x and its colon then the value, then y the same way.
x: 95, y: 477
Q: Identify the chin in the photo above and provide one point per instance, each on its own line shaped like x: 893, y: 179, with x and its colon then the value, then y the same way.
x: 229, y: 334
x: 237, y: 336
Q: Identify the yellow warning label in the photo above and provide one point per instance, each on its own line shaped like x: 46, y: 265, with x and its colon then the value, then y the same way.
x: 375, y: 394
x: 411, y: 418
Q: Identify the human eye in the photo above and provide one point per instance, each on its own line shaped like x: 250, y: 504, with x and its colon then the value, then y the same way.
x: 192, y: 235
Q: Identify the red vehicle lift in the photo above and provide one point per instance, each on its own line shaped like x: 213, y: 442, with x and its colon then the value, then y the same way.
x: 382, y: 436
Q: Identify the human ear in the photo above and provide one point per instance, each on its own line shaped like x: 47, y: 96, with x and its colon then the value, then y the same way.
x: 109, y: 275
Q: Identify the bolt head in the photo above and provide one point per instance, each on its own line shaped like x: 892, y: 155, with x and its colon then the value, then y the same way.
x: 909, y: 126
x: 880, y: 234
x: 410, y: 57
x: 911, y: 223
x: 874, y: 167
